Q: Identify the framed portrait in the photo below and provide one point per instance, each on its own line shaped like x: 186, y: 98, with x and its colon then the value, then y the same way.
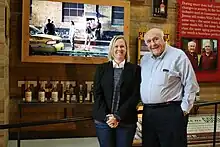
x: 203, y: 55
x: 72, y: 31
x: 159, y: 8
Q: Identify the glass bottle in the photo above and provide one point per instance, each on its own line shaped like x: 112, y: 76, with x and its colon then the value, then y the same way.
x: 162, y: 7
x: 54, y: 93
x: 41, y: 93
x: 28, y: 92
x: 67, y: 93
x: 91, y: 93
x: 73, y: 98
x: 81, y: 94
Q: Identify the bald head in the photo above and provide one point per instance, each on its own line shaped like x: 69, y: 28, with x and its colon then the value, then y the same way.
x: 155, y: 41
x: 155, y: 31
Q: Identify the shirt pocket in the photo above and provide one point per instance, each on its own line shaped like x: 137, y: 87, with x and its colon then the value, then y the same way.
x: 161, y: 78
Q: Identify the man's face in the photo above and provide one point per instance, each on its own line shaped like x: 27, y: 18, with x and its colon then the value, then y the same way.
x: 191, y: 47
x: 208, y: 48
x: 155, y: 42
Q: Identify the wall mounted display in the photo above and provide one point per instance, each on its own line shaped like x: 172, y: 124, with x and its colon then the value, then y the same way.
x: 198, y: 34
x: 159, y: 8
x: 202, y: 53
x: 72, y: 31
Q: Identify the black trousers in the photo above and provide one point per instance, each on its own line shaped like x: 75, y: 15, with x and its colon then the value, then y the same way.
x: 164, y: 126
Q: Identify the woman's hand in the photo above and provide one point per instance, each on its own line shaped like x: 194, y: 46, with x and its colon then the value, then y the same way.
x: 112, y: 121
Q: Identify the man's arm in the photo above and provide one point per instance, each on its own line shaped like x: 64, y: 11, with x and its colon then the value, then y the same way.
x: 190, y: 84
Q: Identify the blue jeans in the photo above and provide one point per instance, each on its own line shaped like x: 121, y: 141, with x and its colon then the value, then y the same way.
x: 122, y: 136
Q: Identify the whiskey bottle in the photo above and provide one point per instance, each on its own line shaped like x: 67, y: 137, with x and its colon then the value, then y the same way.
x: 54, y: 93
x: 91, y: 93
x: 67, y: 93
x: 81, y: 94
x: 41, y: 93
x: 73, y: 98
x: 87, y: 98
x: 48, y: 88
x: 62, y: 98
x: 28, y: 92
x: 88, y: 89
x: 162, y: 7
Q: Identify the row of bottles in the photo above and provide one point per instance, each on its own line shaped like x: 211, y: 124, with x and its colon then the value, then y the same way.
x: 55, y: 91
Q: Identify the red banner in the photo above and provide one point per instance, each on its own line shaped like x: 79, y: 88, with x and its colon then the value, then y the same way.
x: 199, y: 22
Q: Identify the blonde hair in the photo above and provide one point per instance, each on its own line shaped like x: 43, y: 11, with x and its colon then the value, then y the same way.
x: 111, y: 48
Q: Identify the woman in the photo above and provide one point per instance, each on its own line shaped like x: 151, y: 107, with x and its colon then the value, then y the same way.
x: 72, y: 34
x: 116, y: 94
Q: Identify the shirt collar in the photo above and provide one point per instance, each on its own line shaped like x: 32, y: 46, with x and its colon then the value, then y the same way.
x: 120, y: 65
x: 162, y: 55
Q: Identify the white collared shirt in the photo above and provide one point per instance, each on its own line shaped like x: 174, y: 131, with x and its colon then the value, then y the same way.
x: 120, y: 65
x: 169, y: 77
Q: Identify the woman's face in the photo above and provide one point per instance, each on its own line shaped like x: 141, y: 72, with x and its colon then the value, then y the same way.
x: 119, y: 50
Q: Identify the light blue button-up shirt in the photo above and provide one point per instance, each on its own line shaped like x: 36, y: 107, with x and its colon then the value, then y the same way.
x: 169, y: 77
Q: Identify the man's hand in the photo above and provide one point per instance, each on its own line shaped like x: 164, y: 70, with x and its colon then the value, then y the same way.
x: 185, y: 113
x: 112, y: 121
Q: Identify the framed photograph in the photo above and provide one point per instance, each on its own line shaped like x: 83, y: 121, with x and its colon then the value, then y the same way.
x: 72, y: 31
x: 159, y: 8
x: 142, y: 49
x: 202, y: 53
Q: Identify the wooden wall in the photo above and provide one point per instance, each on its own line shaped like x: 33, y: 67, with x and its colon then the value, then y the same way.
x: 140, y: 17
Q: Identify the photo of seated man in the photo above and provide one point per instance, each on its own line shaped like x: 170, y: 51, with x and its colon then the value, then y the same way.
x: 208, y: 60
x: 192, y: 55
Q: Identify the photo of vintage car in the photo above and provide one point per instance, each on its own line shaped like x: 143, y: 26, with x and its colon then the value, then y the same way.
x: 41, y: 43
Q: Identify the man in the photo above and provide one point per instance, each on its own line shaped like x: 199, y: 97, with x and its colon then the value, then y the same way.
x: 49, y: 28
x: 208, y: 60
x: 168, y: 90
x: 192, y: 55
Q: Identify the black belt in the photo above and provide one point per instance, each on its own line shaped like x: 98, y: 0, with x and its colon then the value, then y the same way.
x: 163, y: 104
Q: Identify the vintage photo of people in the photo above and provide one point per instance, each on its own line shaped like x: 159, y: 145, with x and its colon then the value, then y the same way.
x: 202, y: 53
x: 73, y: 29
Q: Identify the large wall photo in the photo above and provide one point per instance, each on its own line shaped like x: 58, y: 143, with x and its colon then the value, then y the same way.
x: 198, y: 34
x: 72, y: 31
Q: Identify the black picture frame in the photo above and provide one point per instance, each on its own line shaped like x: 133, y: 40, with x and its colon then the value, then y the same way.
x: 159, y: 8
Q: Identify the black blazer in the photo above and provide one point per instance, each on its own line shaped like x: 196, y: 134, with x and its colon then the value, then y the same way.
x: 129, y: 92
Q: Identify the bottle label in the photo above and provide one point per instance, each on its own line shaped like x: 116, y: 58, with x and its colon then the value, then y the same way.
x: 62, y: 99
x: 162, y: 9
x: 73, y: 98
x: 28, y: 96
x: 54, y: 96
x: 80, y: 98
x: 88, y: 97
x: 67, y: 98
x: 41, y: 96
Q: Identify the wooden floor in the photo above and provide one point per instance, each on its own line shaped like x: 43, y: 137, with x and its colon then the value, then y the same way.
x: 72, y: 142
